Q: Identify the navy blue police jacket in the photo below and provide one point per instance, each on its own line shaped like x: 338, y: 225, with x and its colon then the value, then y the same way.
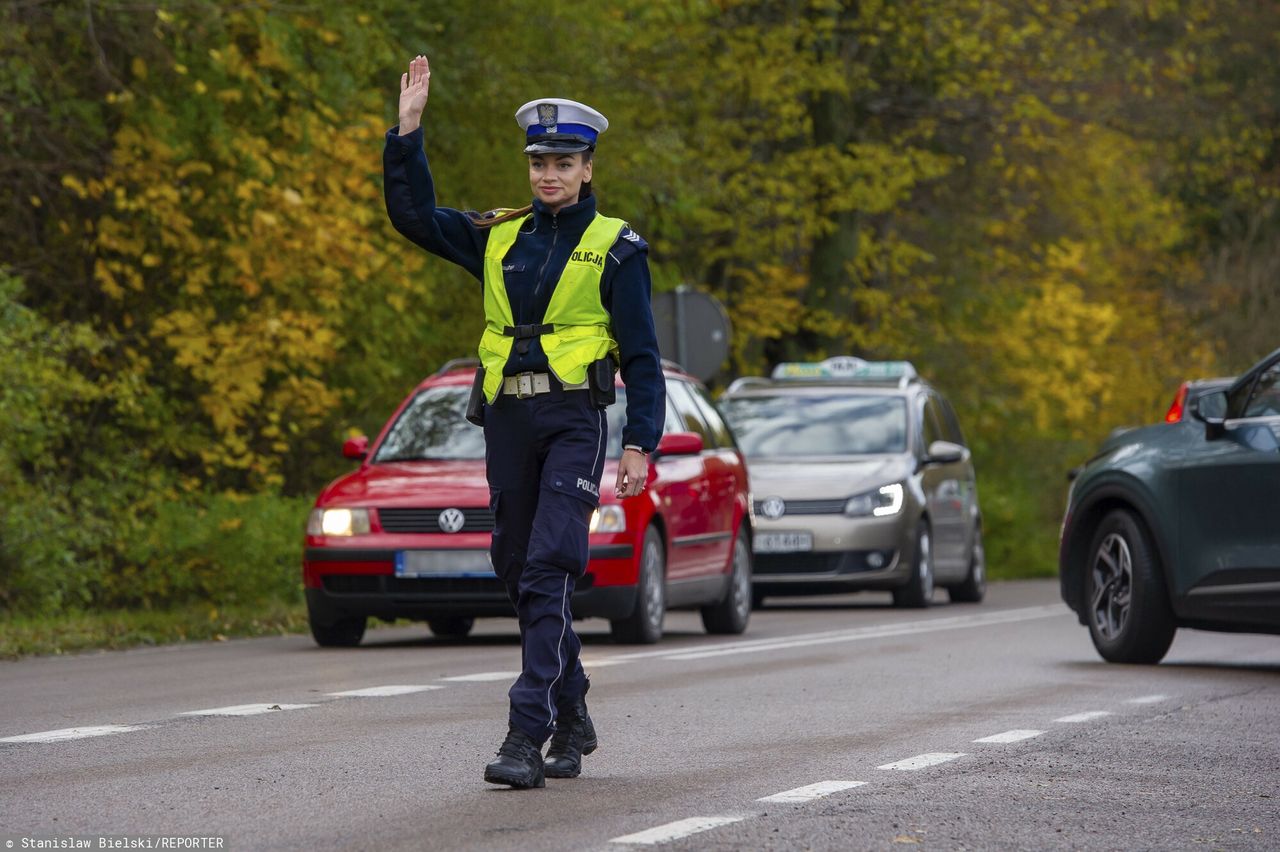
x: 531, y: 269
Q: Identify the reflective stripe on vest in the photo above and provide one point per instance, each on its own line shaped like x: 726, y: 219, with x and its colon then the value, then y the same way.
x: 581, y: 324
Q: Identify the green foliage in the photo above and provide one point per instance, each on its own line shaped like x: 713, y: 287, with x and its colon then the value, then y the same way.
x: 219, y: 548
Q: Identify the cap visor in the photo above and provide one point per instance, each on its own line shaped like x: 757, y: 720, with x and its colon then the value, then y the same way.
x: 554, y: 147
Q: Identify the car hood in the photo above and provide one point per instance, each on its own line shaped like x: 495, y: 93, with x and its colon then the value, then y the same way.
x: 808, y: 479
x: 412, y: 483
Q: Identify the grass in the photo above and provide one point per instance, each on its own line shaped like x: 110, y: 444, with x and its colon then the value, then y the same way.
x: 67, y: 633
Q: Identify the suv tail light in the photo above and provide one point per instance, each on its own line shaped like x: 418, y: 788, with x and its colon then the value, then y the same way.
x: 1175, y: 412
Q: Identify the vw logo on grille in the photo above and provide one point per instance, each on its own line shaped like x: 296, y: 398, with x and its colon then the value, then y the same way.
x: 773, y: 507
x: 451, y: 520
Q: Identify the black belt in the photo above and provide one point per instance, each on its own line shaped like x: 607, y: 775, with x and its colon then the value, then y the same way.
x: 524, y: 333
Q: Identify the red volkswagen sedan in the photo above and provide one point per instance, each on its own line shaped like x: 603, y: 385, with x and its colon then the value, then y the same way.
x: 407, y: 534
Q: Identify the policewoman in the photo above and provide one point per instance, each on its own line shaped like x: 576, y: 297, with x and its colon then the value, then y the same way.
x: 566, y: 298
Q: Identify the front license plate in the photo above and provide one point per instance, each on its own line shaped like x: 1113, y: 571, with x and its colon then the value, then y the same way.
x: 783, y: 542
x: 443, y: 563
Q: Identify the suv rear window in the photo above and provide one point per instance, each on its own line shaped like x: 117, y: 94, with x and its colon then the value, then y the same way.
x: 787, y: 425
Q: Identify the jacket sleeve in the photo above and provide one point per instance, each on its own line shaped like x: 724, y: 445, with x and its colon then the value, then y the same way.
x: 411, y: 203
x: 625, y: 291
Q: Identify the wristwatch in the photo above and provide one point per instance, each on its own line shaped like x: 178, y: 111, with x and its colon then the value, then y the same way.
x: 635, y: 447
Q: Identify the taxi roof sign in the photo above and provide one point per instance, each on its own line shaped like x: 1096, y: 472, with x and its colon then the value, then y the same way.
x: 846, y: 367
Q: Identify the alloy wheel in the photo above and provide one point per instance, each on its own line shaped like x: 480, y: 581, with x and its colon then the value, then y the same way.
x: 651, y: 572
x: 1112, y: 586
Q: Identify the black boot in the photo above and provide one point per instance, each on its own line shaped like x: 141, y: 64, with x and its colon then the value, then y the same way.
x: 519, y: 762
x: 575, y: 736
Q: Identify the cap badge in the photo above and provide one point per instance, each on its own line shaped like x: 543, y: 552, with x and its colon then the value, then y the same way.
x: 548, y: 115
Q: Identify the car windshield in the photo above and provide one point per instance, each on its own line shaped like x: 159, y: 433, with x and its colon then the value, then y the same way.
x: 790, y: 425
x: 434, y: 426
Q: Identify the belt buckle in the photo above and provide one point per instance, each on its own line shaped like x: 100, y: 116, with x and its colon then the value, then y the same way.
x: 524, y: 385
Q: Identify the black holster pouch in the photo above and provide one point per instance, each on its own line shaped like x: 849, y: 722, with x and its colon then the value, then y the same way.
x: 600, y: 382
x: 475, y: 403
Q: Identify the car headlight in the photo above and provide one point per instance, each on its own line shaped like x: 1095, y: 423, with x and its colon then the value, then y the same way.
x: 338, y: 522
x: 608, y: 519
x: 880, y: 503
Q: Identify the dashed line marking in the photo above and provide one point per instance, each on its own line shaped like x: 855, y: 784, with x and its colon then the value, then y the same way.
x: 482, y: 677
x: 63, y: 734
x: 676, y: 830
x: 1087, y: 716
x: 1015, y: 736
x: 384, y: 691
x: 1148, y: 699
x: 812, y: 791
x: 245, y: 709
x: 921, y: 761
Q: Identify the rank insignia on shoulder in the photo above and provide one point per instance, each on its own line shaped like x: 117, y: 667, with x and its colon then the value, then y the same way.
x: 631, y: 235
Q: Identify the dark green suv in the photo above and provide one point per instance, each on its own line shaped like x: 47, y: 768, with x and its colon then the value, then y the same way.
x: 1178, y: 525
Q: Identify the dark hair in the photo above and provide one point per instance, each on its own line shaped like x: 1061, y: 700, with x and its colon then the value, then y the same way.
x: 506, y: 214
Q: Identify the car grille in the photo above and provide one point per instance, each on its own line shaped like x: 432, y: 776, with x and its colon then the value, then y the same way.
x: 808, y: 507
x: 427, y: 520
x: 835, y: 564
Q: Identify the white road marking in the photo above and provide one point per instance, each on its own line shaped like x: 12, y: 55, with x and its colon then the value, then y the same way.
x: 384, y: 691
x: 482, y: 677
x: 602, y: 662
x: 1087, y: 716
x: 245, y: 709
x: 878, y: 632
x: 921, y: 761
x: 1010, y: 737
x: 676, y: 830
x: 72, y: 733
x: 746, y: 645
x: 812, y: 791
x: 1148, y: 699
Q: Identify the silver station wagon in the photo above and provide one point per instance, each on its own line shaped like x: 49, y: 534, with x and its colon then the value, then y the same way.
x: 860, y: 479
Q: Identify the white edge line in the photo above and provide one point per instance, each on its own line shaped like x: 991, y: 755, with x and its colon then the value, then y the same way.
x: 63, y: 734
x: 245, y: 709
x: 922, y: 761
x: 676, y: 830
x: 1015, y: 736
x: 812, y: 791
x: 1147, y: 699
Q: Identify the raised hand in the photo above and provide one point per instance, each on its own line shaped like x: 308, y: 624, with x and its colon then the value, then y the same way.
x: 414, y: 85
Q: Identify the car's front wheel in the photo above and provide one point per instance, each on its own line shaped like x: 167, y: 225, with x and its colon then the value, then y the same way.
x: 644, y: 625
x: 731, y: 613
x: 342, y: 633
x: 974, y: 587
x: 918, y: 590
x: 1126, y: 605
x: 451, y: 626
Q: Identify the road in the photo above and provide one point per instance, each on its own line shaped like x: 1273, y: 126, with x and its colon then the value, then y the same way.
x: 991, y: 726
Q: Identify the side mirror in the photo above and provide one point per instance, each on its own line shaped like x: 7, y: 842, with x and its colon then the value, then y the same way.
x: 679, y: 444
x: 1211, y: 410
x: 945, y: 452
x: 356, y: 448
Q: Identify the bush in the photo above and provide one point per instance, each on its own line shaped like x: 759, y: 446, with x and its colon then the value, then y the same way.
x: 217, y: 548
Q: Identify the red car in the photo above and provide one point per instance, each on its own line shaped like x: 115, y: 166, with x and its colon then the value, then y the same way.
x: 407, y: 534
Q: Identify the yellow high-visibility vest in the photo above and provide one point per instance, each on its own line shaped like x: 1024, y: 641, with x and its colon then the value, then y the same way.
x: 581, y: 324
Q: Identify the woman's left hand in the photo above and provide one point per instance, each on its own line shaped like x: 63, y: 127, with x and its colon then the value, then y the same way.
x: 633, y: 470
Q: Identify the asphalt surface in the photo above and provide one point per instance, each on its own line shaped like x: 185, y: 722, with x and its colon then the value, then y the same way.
x: 878, y: 707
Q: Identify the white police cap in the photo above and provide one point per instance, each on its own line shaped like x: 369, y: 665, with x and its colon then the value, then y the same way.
x: 559, y: 126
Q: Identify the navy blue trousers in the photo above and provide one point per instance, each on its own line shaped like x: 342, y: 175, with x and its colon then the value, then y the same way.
x: 544, y: 457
